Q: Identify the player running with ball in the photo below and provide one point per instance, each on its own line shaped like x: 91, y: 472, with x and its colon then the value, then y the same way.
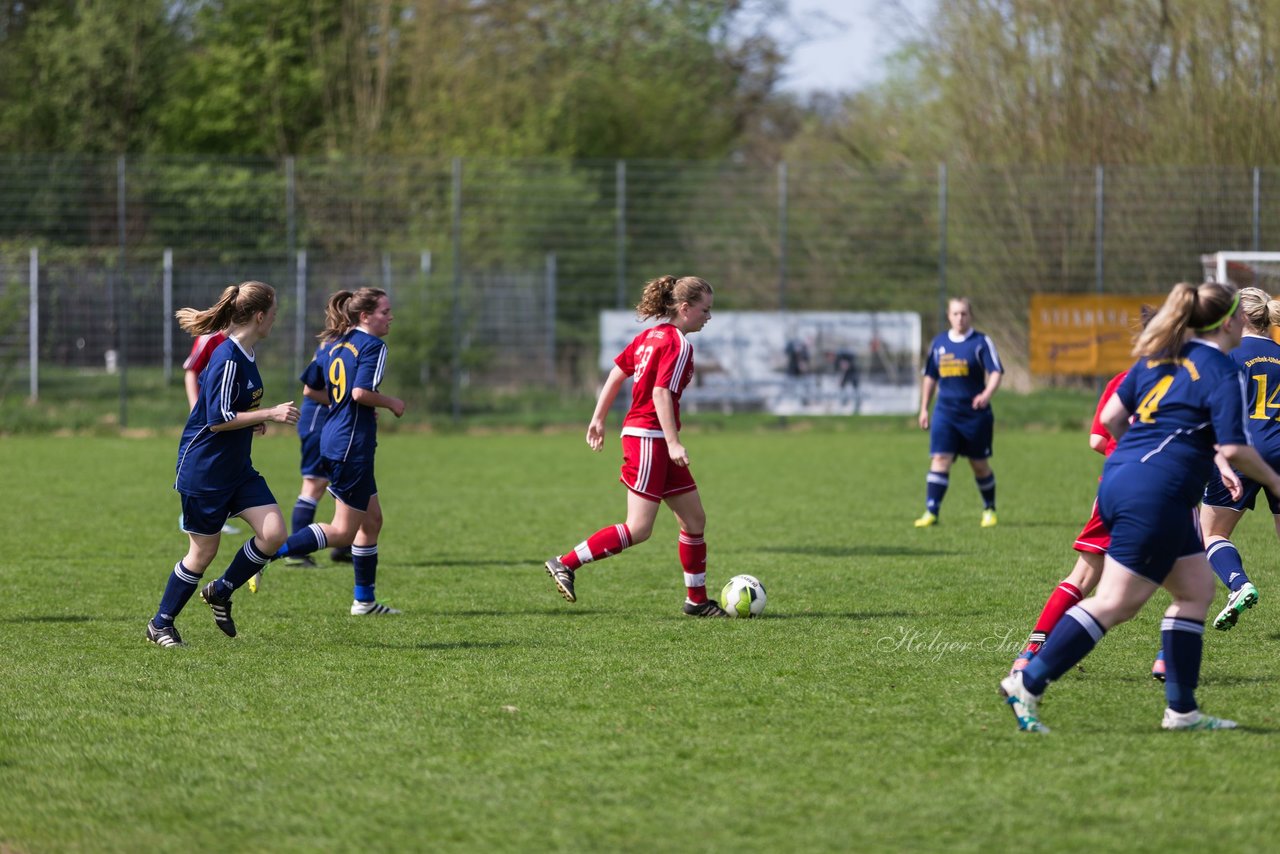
x: 655, y: 464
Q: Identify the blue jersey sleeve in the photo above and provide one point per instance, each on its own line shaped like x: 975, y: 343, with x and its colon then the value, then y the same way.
x: 1128, y: 389
x: 1229, y: 410
x: 990, y: 359
x: 371, y: 365
x: 218, y: 389
x: 313, y: 376
x: 931, y: 362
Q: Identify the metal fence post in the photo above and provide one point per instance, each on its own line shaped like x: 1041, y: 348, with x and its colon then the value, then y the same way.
x: 386, y: 272
x: 942, y: 245
x: 1257, y: 209
x: 1100, y: 209
x: 551, y: 319
x: 290, y: 250
x: 300, y: 316
x: 167, y: 329
x: 620, y: 215
x: 455, y: 392
x: 33, y: 324
x: 782, y: 236
x: 122, y: 359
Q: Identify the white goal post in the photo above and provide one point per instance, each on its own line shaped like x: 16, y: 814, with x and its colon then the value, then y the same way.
x: 1244, y: 269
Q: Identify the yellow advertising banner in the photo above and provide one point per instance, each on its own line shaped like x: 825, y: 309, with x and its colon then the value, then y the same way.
x: 1089, y: 335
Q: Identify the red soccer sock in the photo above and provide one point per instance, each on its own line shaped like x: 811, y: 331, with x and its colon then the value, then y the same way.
x: 693, y: 557
x: 600, y: 545
x: 1064, y: 596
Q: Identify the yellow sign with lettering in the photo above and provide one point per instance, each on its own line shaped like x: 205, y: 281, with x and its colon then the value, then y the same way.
x: 1085, y: 335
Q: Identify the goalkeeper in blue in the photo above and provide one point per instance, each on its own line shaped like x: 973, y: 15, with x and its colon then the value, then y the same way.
x: 1186, y: 397
x: 965, y: 370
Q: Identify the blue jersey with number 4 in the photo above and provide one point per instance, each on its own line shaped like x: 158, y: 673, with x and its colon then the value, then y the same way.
x: 961, y: 368
x: 1181, y: 408
x: 356, y: 360
x: 1259, y: 359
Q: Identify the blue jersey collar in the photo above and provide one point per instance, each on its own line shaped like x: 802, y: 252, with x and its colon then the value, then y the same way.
x: 951, y: 335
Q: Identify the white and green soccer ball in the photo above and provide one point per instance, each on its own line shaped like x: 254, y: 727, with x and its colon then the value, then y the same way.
x: 743, y: 596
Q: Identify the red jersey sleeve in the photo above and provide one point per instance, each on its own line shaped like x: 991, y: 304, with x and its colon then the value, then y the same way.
x: 1098, y: 429
x: 201, y: 349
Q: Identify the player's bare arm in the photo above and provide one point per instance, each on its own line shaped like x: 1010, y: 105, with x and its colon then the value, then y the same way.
x: 665, y: 406
x: 595, y: 429
x: 378, y: 400
x: 282, y: 413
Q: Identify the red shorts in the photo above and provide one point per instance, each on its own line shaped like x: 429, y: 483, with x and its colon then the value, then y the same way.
x: 1095, y: 537
x: 647, y: 470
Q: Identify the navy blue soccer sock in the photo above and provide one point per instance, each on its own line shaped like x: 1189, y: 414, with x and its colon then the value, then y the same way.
x: 936, y: 484
x: 177, y: 591
x: 249, y: 561
x: 303, y: 542
x: 1226, y: 563
x: 1183, y: 641
x: 987, y: 486
x: 1070, y: 641
x: 304, y: 513
x: 364, y: 560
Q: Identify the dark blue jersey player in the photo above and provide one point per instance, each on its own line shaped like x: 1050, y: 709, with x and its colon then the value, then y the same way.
x: 216, y: 478
x: 1186, y: 397
x: 315, y: 412
x: 354, y: 360
x: 965, y: 370
x: 1259, y: 359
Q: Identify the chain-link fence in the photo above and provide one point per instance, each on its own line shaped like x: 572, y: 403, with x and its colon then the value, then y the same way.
x: 499, y: 268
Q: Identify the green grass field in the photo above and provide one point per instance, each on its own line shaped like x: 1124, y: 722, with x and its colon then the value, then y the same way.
x: 859, y: 714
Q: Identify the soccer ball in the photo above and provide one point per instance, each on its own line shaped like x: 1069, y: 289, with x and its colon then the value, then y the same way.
x: 743, y: 596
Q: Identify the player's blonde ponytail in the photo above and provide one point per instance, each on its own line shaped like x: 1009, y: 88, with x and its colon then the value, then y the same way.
x: 236, y: 307
x: 663, y: 295
x: 1260, y: 309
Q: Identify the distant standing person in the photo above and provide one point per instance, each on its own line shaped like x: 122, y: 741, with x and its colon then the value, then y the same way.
x: 655, y: 464
x: 201, y: 349
x: 215, y: 473
x: 965, y: 369
x: 355, y: 359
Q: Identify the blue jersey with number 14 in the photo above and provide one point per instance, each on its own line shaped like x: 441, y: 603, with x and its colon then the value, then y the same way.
x: 1259, y: 359
x: 356, y: 360
x: 1181, y: 408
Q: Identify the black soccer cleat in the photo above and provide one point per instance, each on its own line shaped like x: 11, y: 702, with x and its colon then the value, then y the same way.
x: 221, y: 610
x: 563, y: 577
x: 342, y: 555
x: 165, y: 637
x: 709, y: 608
x: 304, y: 561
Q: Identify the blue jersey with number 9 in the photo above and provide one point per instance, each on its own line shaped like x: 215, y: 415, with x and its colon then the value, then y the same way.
x: 356, y: 360
x: 1181, y: 408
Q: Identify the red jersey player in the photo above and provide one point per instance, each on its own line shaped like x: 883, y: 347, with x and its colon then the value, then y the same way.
x: 655, y: 465
x: 201, y: 349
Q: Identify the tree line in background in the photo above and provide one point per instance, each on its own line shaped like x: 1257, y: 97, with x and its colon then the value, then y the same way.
x: 1020, y: 98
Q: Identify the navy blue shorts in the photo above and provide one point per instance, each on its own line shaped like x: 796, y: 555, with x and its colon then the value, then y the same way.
x: 1216, y: 495
x: 204, y: 515
x: 351, y: 482
x: 968, y: 435
x: 1151, y: 527
x: 311, y: 464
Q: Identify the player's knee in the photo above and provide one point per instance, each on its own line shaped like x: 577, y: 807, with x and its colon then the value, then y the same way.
x: 639, y: 532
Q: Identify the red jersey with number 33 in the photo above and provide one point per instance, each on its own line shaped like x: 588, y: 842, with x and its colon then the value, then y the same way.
x: 660, y: 357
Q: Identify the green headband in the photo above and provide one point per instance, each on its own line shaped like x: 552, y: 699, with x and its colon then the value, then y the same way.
x: 1221, y: 320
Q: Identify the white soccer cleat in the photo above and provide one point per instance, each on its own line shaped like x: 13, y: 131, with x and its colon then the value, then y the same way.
x: 370, y: 609
x: 1194, y: 720
x: 1023, y: 704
